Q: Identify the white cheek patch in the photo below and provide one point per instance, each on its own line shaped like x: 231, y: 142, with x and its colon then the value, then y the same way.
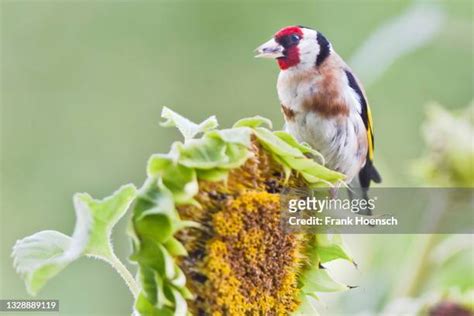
x: 308, y: 53
x: 309, y: 49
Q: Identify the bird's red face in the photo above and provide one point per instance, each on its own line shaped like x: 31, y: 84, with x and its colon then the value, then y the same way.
x: 289, y: 38
x: 284, y: 47
x: 292, y: 46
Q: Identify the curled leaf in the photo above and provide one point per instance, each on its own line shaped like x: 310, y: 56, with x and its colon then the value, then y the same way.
x: 303, y: 147
x: 41, y: 256
x: 187, y: 128
x: 237, y: 135
x: 253, y: 122
x: 276, y: 144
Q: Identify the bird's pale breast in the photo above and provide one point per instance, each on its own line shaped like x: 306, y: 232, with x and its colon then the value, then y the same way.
x: 325, y: 115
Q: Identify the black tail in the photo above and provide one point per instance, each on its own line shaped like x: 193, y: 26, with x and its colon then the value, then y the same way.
x: 367, y: 174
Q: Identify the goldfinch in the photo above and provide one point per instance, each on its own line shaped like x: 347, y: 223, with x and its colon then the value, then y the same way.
x: 323, y: 102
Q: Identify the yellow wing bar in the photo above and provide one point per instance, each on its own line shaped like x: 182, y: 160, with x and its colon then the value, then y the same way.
x: 370, y: 133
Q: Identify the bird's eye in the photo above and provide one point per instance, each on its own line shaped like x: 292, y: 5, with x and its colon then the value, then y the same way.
x: 294, y: 38
x: 289, y: 40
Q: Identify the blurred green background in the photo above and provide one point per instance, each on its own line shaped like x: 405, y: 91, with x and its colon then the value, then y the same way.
x: 83, y: 83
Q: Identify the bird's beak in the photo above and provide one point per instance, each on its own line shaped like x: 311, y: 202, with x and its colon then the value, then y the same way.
x: 270, y: 49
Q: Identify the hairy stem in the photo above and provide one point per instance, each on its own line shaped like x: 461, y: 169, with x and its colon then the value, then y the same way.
x: 124, y: 273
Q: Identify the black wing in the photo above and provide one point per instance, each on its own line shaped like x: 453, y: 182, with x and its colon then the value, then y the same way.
x: 368, y: 172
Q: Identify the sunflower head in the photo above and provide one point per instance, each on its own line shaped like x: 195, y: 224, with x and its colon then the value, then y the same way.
x: 206, y: 227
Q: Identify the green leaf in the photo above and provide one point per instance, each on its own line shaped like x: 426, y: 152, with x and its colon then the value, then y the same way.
x: 182, y: 182
x: 187, y: 128
x: 154, y: 214
x: 41, y: 256
x: 168, y: 263
x: 162, y: 300
x: 155, y: 221
x: 145, y: 308
x: 286, y: 168
x: 253, y: 122
x: 157, y: 227
x: 181, y: 307
x: 290, y: 154
x: 105, y: 214
x: 186, y: 293
x: 178, y: 179
x: 275, y: 144
x: 237, y: 156
x: 204, y: 153
x: 153, y: 287
x: 154, y: 256
x: 180, y: 279
x: 158, y: 163
x: 149, y: 256
x: 237, y: 135
x: 319, y: 280
x: 311, y: 167
x: 303, y: 147
x: 175, y: 247
x: 315, y: 182
x: 330, y: 248
x: 213, y: 175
